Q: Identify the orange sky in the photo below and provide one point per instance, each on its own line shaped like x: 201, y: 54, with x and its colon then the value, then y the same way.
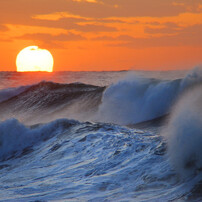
x: 104, y: 34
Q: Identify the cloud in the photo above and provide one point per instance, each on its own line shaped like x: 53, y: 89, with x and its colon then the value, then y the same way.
x: 130, y: 23
x: 126, y: 8
x: 118, y: 38
x: 51, y: 41
x: 169, y: 28
x: 77, y: 25
x: 189, y: 36
x: 189, y: 5
x: 99, y: 15
x: 94, y: 28
x: 48, y: 37
x: 3, y: 28
x: 59, y: 15
x: 22, y: 11
x: 89, y: 1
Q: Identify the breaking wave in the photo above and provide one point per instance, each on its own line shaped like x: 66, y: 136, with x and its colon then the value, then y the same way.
x: 135, y: 100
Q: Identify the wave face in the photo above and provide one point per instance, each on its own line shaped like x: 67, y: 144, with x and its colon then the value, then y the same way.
x: 136, y: 100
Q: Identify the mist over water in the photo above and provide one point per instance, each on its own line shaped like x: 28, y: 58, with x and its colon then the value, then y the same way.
x: 66, y: 136
x: 16, y: 79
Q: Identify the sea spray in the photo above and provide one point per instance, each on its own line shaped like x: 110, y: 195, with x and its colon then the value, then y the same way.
x: 184, y: 133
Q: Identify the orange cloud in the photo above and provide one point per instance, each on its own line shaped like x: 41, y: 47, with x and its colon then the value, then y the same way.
x: 3, y: 28
x: 89, y: 1
x: 58, y: 15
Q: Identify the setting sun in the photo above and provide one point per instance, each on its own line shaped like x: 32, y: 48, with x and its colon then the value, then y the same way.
x: 33, y: 59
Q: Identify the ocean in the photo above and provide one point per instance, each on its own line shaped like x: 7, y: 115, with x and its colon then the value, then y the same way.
x: 101, y: 136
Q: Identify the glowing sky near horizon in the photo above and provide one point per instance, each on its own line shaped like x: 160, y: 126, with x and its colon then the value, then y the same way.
x: 104, y: 34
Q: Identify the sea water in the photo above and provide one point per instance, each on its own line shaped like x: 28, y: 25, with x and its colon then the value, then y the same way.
x: 101, y: 136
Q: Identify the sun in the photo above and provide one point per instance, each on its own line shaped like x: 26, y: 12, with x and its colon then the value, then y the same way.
x: 32, y: 59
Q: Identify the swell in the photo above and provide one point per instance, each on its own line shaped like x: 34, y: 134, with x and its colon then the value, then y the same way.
x: 51, y: 98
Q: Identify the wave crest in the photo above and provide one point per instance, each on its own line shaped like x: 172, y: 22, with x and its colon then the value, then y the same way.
x: 16, y: 137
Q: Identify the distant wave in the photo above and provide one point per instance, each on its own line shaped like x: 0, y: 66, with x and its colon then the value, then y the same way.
x: 47, y: 101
